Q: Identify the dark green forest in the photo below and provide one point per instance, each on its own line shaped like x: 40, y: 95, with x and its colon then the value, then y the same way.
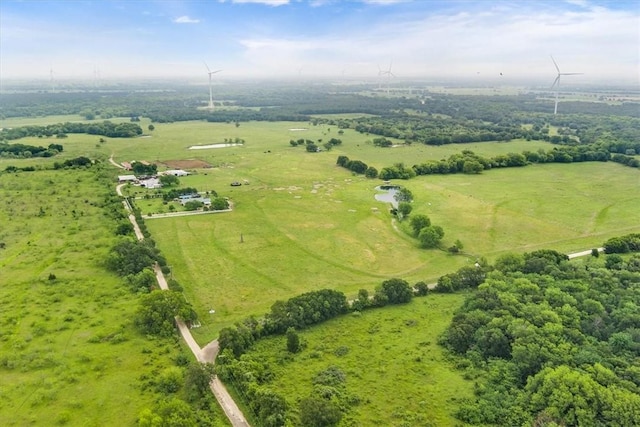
x: 552, y: 342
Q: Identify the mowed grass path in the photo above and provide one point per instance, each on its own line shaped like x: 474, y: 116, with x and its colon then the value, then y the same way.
x: 391, y: 359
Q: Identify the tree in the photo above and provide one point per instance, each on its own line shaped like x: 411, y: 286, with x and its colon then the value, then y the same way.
x: 316, y: 411
x: 169, y: 180
x: 403, y: 195
x: 143, y: 281
x: 371, y: 172
x: 457, y: 247
x: 418, y: 222
x: 131, y: 257
x: 393, y: 291
x: 151, y: 128
x: 169, y: 413
x: 293, y: 341
x: 342, y: 161
x: 404, y: 209
x: 219, y: 204
x: 158, y: 309
x: 193, y: 205
x: 472, y: 167
x: 430, y: 236
x: 312, y: 148
x: 236, y: 338
x: 509, y: 262
x: 421, y: 289
x: 170, y: 380
x: 197, y: 378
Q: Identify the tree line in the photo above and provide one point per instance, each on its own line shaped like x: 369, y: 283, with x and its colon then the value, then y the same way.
x: 105, y: 128
x: 24, y: 151
x: 469, y: 162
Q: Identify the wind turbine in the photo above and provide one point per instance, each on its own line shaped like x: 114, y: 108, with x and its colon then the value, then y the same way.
x: 389, y: 74
x: 556, y: 83
x: 51, y: 80
x: 211, y: 73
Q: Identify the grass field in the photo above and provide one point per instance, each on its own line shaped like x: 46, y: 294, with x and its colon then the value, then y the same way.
x: 391, y: 359
x: 69, y: 354
x: 302, y: 224
x: 307, y: 223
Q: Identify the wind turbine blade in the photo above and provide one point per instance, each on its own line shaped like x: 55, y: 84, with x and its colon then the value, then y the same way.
x: 208, y: 69
x: 554, y: 63
x: 556, y: 81
x: 571, y: 74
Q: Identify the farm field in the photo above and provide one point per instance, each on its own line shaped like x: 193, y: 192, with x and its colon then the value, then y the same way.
x: 69, y: 353
x: 300, y: 209
x: 299, y: 223
x: 393, y: 364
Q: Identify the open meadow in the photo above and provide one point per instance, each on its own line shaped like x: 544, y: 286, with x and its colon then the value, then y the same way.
x: 303, y: 223
x: 69, y: 353
x: 395, y: 372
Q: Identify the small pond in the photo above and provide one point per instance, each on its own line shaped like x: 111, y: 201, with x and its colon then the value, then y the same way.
x: 387, y: 194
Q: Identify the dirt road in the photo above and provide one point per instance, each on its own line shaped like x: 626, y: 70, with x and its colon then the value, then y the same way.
x: 204, y: 355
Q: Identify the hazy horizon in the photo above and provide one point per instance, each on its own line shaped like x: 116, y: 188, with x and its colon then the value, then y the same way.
x: 509, y: 42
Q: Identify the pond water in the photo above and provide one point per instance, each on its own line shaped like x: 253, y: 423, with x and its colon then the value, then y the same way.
x: 204, y: 147
x: 387, y: 194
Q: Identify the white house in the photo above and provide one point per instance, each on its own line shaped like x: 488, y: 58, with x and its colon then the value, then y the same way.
x: 151, y: 183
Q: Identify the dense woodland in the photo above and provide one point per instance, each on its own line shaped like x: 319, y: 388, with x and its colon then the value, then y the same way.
x: 552, y: 341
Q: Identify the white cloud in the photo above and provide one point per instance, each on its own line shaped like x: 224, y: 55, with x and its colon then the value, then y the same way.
x: 186, y: 20
x: 500, y: 38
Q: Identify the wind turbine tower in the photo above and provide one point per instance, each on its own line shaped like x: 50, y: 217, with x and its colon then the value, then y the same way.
x: 51, y: 81
x: 556, y: 83
x: 388, y: 75
x: 211, y: 73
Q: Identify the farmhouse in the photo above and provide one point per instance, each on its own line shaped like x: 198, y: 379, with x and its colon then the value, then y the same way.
x: 176, y: 172
x: 151, y: 183
x: 186, y: 197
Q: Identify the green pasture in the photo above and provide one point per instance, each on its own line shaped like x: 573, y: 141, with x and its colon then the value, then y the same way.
x: 306, y: 223
x: 69, y: 353
x: 391, y: 359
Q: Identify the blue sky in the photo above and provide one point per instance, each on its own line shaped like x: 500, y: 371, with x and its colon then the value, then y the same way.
x: 338, y: 39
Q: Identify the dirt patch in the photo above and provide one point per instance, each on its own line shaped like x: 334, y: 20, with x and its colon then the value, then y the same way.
x: 186, y: 164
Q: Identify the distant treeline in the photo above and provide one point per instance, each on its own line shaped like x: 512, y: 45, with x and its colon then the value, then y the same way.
x: 26, y: 151
x: 436, y: 128
x: 106, y: 128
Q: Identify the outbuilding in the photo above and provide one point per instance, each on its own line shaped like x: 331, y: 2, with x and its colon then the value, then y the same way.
x: 176, y: 172
x: 127, y: 178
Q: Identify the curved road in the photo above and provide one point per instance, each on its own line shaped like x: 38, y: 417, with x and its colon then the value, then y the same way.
x: 208, y: 353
